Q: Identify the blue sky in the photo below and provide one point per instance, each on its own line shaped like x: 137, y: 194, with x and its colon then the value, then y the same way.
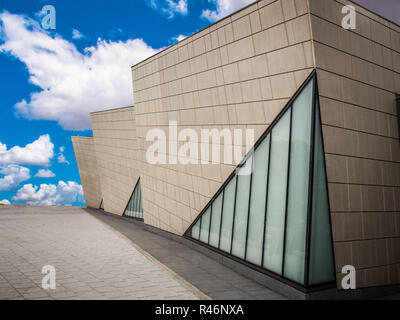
x: 52, y: 75
x: 53, y: 79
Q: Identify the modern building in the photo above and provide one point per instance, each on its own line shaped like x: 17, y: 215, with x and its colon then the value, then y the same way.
x: 319, y: 191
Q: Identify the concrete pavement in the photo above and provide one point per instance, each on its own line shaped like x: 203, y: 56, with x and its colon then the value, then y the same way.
x: 211, y: 277
x: 92, y: 261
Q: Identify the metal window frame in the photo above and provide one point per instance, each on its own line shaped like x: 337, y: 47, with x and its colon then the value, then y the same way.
x: 398, y: 112
x: 209, y: 225
x: 258, y: 142
x: 310, y: 188
x: 266, y: 199
x: 302, y: 287
x: 130, y: 198
x: 208, y: 230
x: 220, y: 222
x: 248, y: 205
x: 201, y: 221
x: 287, y: 189
x: 222, y: 213
x: 234, y: 212
x: 326, y: 180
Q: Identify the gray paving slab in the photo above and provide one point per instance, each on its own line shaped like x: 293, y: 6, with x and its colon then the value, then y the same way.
x: 92, y: 260
x: 213, y: 278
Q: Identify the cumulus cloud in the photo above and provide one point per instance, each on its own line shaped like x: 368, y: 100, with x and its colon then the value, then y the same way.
x: 13, y: 176
x: 37, y: 153
x: 50, y: 194
x: 223, y: 8
x: 5, y: 202
x: 45, y: 173
x: 71, y: 84
x: 169, y: 8
x: 61, y: 158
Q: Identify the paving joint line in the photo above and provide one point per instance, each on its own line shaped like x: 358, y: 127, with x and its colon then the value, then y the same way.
x: 196, y: 291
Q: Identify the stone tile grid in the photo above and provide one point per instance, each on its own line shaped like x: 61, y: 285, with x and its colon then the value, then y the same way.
x: 358, y: 78
x: 237, y: 81
x: 91, y: 261
x: 116, y: 156
x: 227, y: 31
x: 211, y: 277
x: 86, y: 160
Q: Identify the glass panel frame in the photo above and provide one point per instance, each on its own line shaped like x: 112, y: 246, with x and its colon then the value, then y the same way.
x: 205, y: 226
x: 240, y: 223
x: 225, y: 242
x: 277, y: 194
x: 134, y: 207
x: 196, y: 230
x: 277, y: 238
x: 321, y: 266
x: 257, y: 212
x: 297, y: 204
x: 216, y: 217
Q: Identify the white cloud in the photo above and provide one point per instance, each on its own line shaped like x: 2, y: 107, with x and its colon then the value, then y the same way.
x: 50, y: 194
x: 61, y: 158
x: 13, y: 176
x: 224, y: 8
x: 45, y: 173
x: 180, y: 6
x: 76, y: 34
x: 179, y: 38
x: 169, y: 8
x: 5, y: 201
x: 37, y: 153
x: 70, y: 84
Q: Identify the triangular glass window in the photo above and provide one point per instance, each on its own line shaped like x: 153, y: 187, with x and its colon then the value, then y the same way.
x: 273, y: 212
x: 134, y: 208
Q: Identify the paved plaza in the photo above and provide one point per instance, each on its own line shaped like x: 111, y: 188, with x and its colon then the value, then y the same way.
x: 99, y: 256
x: 92, y: 261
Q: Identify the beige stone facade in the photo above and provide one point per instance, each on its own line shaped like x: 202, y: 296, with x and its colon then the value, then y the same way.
x: 239, y: 73
x: 359, y: 76
x: 85, y: 155
x: 114, y: 134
